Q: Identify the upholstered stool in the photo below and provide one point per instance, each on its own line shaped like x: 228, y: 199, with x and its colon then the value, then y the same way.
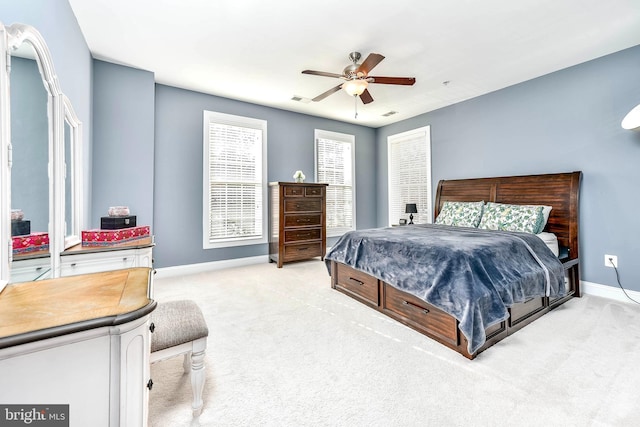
x: 180, y: 328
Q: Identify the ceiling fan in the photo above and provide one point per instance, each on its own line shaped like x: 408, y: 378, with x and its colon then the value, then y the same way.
x: 357, y: 78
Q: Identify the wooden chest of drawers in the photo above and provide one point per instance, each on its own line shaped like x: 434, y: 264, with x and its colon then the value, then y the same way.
x: 297, y: 221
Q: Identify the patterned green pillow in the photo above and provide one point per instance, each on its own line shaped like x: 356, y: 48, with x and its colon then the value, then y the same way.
x: 461, y: 214
x: 500, y: 216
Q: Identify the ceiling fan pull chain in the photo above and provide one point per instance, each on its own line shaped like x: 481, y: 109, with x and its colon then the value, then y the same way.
x: 355, y: 97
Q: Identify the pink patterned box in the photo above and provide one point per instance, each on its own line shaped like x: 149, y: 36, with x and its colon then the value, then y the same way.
x: 30, y: 243
x: 114, y: 237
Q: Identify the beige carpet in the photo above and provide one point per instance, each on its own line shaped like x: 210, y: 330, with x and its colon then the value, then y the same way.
x: 287, y: 350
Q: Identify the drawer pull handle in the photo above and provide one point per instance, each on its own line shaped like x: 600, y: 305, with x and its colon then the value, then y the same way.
x: 356, y: 281
x: 124, y: 259
x: 303, y: 220
x: 424, y: 310
x: 73, y: 264
x: 150, y: 384
x: 152, y: 327
x: 302, y: 249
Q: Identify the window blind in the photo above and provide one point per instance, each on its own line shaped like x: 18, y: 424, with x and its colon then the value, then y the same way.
x: 334, y: 166
x: 234, y: 180
x: 409, y: 166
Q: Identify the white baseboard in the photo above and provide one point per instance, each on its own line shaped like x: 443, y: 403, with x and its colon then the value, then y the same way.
x: 182, y: 270
x: 610, y: 292
x: 589, y: 288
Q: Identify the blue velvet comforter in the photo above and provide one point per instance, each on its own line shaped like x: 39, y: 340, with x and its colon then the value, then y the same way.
x: 473, y: 275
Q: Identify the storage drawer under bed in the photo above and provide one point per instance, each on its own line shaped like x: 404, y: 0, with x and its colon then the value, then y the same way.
x: 419, y: 314
x: 358, y: 284
x: 521, y: 311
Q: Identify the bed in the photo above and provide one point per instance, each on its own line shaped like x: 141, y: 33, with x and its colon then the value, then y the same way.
x: 465, y: 286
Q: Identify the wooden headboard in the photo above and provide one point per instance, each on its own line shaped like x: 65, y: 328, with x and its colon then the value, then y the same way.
x: 559, y: 190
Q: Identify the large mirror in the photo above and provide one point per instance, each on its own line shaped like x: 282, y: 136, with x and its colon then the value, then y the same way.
x: 30, y: 190
x: 41, y: 194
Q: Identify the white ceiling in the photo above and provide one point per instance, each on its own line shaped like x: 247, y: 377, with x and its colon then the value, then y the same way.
x: 255, y: 50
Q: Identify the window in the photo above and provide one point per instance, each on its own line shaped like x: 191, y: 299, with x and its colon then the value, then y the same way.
x: 235, y: 181
x: 409, y: 155
x: 335, y: 166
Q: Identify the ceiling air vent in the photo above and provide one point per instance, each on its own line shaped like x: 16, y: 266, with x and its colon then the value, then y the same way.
x: 300, y: 99
x: 390, y: 113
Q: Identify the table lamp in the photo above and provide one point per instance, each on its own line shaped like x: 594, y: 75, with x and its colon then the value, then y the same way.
x: 411, y: 208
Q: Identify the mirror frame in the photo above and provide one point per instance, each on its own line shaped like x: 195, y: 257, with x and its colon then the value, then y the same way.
x: 58, y: 107
x: 6, y: 247
x: 73, y: 236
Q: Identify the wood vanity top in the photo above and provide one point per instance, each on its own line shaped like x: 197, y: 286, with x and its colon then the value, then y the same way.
x: 133, y: 244
x: 30, y: 311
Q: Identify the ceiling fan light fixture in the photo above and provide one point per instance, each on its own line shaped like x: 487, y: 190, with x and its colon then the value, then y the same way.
x: 355, y: 87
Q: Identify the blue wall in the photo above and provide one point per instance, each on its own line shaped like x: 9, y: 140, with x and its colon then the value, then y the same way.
x: 123, y: 141
x: 178, y: 164
x: 562, y: 122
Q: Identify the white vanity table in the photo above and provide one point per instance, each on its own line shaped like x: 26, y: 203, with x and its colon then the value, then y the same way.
x: 81, y: 341
x: 74, y: 320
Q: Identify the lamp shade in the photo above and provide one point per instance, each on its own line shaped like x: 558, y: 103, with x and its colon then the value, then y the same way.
x: 355, y: 87
x: 632, y: 119
x: 411, y: 208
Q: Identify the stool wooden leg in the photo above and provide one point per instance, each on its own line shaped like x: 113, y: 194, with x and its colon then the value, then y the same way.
x: 198, y: 374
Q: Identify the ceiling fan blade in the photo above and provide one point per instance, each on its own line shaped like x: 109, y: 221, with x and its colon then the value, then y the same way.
x: 366, y: 97
x: 408, y: 81
x: 327, y: 93
x: 322, y: 73
x: 372, y: 60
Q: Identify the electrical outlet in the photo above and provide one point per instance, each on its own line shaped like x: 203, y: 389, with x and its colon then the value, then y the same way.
x: 611, y: 261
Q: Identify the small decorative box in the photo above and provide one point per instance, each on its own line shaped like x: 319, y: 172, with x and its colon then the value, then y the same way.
x: 20, y: 227
x: 31, y: 243
x: 114, y: 237
x: 117, y: 222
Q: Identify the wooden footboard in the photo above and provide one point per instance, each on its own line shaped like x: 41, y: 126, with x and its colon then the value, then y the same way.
x: 429, y: 320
